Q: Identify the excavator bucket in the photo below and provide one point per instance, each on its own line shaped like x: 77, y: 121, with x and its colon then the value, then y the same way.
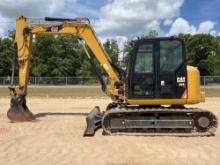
x: 18, y: 110
x: 93, y: 121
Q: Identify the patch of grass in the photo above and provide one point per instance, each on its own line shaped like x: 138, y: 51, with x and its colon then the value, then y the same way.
x: 4, y: 92
x: 212, y: 92
x: 61, y: 92
x: 80, y: 92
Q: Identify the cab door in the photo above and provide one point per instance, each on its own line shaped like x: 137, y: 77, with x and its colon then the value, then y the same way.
x: 141, y: 77
x: 171, y: 68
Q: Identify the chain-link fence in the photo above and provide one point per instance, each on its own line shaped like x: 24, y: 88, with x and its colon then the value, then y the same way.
x: 205, y: 80
x: 54, y: 80
x: 210, y: 80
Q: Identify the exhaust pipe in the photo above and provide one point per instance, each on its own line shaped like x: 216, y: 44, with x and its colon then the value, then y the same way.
x: 65, y: 19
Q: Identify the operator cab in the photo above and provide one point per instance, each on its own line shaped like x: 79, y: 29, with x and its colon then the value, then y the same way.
x: 157, y: 69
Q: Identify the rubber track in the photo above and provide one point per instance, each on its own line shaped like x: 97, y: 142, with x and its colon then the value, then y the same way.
x: 194, y: 111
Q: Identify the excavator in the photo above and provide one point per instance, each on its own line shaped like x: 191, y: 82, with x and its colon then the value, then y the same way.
x: 149, y: 98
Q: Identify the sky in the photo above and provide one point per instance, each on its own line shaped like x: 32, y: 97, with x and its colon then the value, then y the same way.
x: 122, y: 19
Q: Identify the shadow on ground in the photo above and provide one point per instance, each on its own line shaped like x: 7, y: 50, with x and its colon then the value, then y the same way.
x: 60, y: 114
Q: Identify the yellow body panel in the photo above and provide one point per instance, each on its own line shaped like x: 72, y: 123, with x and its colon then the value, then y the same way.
x: 157, y: 101
x: 193, y: 94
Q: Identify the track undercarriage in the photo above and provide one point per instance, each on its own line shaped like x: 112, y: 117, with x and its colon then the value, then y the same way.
x: 152, y: 121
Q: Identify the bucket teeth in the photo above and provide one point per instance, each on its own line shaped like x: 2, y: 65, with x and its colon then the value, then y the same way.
x: 18, y: 110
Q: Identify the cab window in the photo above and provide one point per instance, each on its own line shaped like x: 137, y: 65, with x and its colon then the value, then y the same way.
x: 170, y: 55
x: 144, y: 59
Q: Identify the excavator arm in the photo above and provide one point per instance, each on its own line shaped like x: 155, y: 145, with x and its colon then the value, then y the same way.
x: 79, y: 28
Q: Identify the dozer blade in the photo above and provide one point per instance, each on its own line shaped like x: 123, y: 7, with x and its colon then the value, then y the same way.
x: 18, y: 110
x: 94, y: 121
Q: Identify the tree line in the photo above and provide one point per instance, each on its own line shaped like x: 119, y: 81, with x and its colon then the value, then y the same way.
x: 58, y: 56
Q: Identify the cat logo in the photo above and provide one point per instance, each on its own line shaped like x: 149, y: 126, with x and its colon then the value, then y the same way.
x: 181, y: 79
x: 54, y: 29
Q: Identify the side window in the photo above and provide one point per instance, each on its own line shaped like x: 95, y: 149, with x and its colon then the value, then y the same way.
x: 143, y: 85
x: 170, y: 55
x: 144, y: 59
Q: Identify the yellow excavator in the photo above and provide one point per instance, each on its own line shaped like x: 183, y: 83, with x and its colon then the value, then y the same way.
x: 148, y: 98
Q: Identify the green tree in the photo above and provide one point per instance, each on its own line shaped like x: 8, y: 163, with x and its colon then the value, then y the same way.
x: 152, y: 34
x: 203, y: 51
x: 85, y: 69
x: 64, y: 56
x: 126, y: 52
x: 55, y: 56
x: 216, y: 59
x: 111, y: 47
x: 5, y: 56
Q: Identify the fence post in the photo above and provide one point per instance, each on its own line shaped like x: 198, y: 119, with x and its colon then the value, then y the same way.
x: 66, y: 81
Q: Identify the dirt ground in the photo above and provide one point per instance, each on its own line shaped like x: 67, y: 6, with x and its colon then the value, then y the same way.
x: 56, y: 138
